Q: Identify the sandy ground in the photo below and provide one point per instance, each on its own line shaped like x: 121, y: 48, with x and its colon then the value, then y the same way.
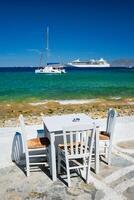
x: 33, y: 111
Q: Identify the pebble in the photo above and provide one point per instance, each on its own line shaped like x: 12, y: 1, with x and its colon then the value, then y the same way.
x: 74, y: 191
x: 10, y: 112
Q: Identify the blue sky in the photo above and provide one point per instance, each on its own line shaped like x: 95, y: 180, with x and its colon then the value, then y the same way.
x: 78, y: 29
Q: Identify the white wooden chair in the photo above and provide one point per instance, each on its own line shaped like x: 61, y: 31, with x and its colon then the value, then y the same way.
x: 34, y: 148
x: 76, y: 152
x: 106, y: 137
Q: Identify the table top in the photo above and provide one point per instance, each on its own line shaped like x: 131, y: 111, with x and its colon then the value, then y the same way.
x: 56, y: 122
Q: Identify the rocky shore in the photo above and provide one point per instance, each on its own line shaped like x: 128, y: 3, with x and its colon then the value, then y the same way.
x: 33, y: 112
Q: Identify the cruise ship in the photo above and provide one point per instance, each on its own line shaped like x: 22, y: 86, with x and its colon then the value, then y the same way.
x: 89, y: 63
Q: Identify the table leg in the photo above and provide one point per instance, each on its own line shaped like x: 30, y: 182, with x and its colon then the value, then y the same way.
x: 53, y: 157
x: 97, y: 151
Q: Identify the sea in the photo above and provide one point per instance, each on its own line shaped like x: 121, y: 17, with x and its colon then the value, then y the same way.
x: 19, y: 84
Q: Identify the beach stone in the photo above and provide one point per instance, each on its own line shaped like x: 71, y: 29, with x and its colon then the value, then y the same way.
x: 74, y: 191
x: 90, y: 190
x: 36, y: 195
x: 87, y: 187
x: 32, y: 113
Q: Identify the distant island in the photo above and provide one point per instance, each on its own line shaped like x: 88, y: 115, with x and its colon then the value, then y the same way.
x: 122, y: 62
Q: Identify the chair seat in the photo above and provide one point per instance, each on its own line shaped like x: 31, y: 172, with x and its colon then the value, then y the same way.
x: 61, y: 148
x: 104, y: 136
x: 68, y: 145
x: 38, y: 143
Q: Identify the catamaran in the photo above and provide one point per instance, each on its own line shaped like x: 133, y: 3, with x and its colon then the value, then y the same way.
x: 49, y: 68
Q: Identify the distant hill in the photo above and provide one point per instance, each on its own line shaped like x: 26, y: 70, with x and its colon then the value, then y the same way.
x: 122, y: 62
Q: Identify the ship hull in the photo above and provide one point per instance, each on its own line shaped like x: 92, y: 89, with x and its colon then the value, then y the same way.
x: 88, y: 66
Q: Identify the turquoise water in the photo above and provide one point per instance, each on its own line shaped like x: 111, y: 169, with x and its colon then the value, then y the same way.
x: 75, y: 84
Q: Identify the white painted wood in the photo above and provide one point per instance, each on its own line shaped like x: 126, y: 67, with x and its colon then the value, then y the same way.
x: 92, y: 139
x: 37, y: 156
x: 77, y: 149
x: 56, y: 122
x: 97, y: 150
x: 71, y: 141
x: 54, y: 125
x: 24, y: 135
x: 53, y: 157
x: 27, y: 151
x: 107, y: 144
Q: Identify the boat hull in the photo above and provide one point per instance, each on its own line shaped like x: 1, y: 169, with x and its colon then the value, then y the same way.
x: 44, y: 71
x: 88, y: 66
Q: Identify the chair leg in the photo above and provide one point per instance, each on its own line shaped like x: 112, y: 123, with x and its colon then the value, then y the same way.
x: 85, y: 163
x: 59, y: 167
x: 27, y: 166
x: 59, y: 162
x: 28, y: 170
x: 88, y: 177
x: 68, y: 173
x: 68, y: 177
x: 88, y: 171
x: 105, y: 151
x: 109, y: 155
x: 49, y: 159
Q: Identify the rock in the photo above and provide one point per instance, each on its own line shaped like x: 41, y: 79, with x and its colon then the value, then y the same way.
x: 36, y: 195
x: 87, y: 187
x: 74, y: 191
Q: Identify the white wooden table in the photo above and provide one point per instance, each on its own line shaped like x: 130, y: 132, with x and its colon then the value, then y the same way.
x: 53, y: 128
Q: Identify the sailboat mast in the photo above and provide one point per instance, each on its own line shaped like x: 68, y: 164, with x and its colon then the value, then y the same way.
x: 47, y: 47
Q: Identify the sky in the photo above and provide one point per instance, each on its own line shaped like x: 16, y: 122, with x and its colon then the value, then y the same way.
x: 77, y: 29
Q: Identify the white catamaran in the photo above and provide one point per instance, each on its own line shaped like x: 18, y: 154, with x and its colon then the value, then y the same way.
x: 49, y: 68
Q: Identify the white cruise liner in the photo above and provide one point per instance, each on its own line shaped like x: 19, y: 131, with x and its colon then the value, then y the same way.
x: 90, y: 63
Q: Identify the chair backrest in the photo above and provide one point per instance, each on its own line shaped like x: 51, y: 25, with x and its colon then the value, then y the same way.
x: 111, y: 119
x: 78, y: 140
x: 23, y: 131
